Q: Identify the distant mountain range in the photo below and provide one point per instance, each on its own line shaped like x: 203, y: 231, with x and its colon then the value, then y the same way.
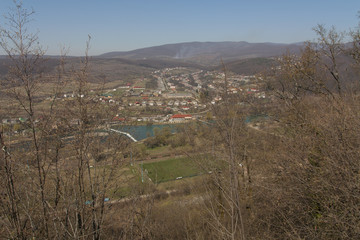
x: 207, y: 53
x: 239, y: 57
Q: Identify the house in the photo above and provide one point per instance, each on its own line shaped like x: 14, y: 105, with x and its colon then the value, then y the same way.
x: 178, y: 95
x: 232, y: 90
x: 135, y: 94
x: 193, y: 102
x: 180, y: 117
x: 217, y: 98
x: 117, y: 118
x: 138, y: 88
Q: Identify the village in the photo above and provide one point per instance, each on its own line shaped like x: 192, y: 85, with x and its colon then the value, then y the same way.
x: 170, y: 95
x: 179, y: 95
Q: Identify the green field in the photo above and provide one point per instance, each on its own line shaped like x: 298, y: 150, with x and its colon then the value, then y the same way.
x: 171, y: 169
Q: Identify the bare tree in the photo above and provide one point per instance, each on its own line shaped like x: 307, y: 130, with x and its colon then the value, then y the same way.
x: 313, y: 185
x: 44, y: 195
x: 26, y: 58
x: 229, y: 146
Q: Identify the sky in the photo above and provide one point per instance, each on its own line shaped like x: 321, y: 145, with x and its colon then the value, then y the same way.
x: 123, y: 25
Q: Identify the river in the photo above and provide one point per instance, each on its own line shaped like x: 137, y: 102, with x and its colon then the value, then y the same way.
x: 140, y: 132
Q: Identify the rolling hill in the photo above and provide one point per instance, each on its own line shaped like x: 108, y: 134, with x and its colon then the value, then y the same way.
x: 207, y: 53
x: 239, y: 57
x: 249, y: 66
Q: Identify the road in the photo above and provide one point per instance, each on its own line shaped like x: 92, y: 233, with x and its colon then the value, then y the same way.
x: 141, y: 197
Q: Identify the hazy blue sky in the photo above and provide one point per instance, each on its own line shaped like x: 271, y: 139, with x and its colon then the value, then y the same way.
x: 121, y: 25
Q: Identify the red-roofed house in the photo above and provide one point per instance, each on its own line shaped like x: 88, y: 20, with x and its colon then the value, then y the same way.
x: 117, y: 118
x: 139, y: 88
x: 180, y: 117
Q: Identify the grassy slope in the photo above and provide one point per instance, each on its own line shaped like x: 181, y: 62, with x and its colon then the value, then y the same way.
x: 171, y: 169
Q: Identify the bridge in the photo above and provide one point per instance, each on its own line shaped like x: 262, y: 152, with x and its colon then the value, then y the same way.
x: 124, y: 133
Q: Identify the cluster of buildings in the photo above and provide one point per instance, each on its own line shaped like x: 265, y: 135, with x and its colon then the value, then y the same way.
x: 177, y: 93
x: 167, y: 97
x: 170, y: 118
